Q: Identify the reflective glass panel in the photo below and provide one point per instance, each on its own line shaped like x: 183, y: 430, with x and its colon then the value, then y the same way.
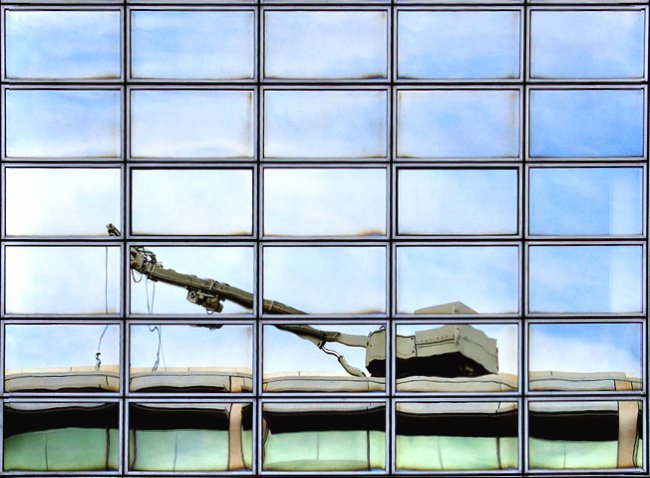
x: 326, y: 44
x: 57, y: 202
x: 70, y: 124
x: 57, y: 44
x: 64, y: 358
x: 199, y: 45
x: 457, y: 280
x: 585, y: 435
x: 62, y: 280
x: 457, y: 201
x: 586, y: 356
x: 204, y: 357
x: 219, y: 201
x: 324, y: 202
x: 465, y: 436
x: 352, y: 361
x: 586, y: 201
x: 458, y: 124
x: 182, y: 270
x: 61, y: 437
x: 325, y: 124
x: 583, y: 279
x: 303, y: 437
x: 326, y: 280
x: 594, y: 123
x: 451, y: 358
x: 599, y: 44
x: 191, y: 124
x: 190, y: 437
x: 460, y: 45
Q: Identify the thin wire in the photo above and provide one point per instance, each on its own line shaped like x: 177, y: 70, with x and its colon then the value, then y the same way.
x: 106, y: 280
x: 98, y: 360
x: 156, y: 328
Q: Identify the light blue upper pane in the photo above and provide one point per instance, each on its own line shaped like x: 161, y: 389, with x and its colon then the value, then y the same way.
x: 585, y: 279
x: 192, y: 124
x: 457, y: 201
x: 586, y: 123
x: 200, y: 45
x: 326, y: 44
x: 465, y: 45
x: 325, y: 124
x: 62, y: 44
x: 485, y: 279
x: 458, y: 124
x: 587, y: 44
x: 63, y: 123
x: 586, y: 201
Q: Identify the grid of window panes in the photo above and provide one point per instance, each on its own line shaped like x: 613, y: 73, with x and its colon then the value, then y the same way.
x: 455, y: 194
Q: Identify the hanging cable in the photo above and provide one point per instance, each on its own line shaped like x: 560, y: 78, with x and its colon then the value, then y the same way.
x: 98, y: 360
x: 153, y: 295
x: 106, y: 280
x: 156, y: 328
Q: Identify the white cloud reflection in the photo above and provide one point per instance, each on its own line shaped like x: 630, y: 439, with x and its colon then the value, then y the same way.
x: 192, y: 201
x: 458, y: 124
x: 61, y: 44
x: 327, y: 280
x: 196, y: 45
x: 69, y: 124
x: 458, y: 45
x: 587, y: 44
x: 457, y: 201
x: 324, y: 202
x: 586, y: 348
x: 63, y: 201
x: 485, y: 279
x: 62, y: 279
x: 582, y: 279
x: 325, y: 44
x: 325, y: 124
x: 191, y: 124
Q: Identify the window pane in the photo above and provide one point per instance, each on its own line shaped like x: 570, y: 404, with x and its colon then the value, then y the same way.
x: 324, y: 202
x: 586, y: 201
x: 56, y: 202
x: 456, y: 358
x: 461, y: 45
x: 70, y: 124
x: 330, y: 436
x: 352, y: 361
x: 62, y: 44
x: 326, y: 44
x: 458, y: 280
x: 327, y: 280
x: 62, y: 280
x: 585, y: 435
x: 465, y: 436
x: 430, y: 123
x: 457, y: 201
x: 230, y: 265
x: 220, y: 201
x: 197, y: 358
x: 325, y: 124
x: 186, y: 45
x: 190, y: 437
x: 587, y: 44
x: 580, y: 279
x: 61, y: 436
x: 65, y: 358
x: 586, y: 123
x: 191, y: 124
x: 586, y: 356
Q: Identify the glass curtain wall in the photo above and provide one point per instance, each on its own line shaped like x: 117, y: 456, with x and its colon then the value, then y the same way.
x: 372, y: 237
